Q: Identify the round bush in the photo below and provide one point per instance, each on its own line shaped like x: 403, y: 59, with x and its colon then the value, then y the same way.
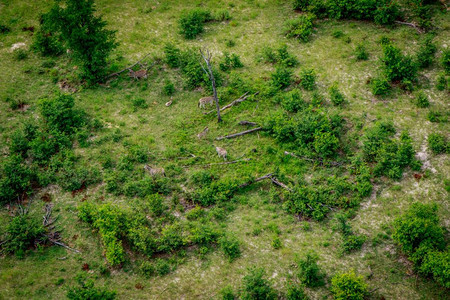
x: 348, y: 286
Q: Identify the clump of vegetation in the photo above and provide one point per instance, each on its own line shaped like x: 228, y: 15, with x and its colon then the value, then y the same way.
x: 85, y: 34
x: 442, y: 83
x: 361, y: 52
x: 281, y: 78
x: 192, y: 22
x: 397, y: 66
x: 380, y: 86
x: 230, y: 62
x: 230, y: 246
x: 420, y: 236
x: 256, y: 286
x: 300, y: 28
x: 22, y: 233
x: 20, y: 54
x: 227, y: 293
x: 295, y: 292
x: 445, y: 61
x: 309, y: 271
x: 293, y: 101
x: 426, y: 53
x: 308, y: 79
x: 169, y: 88
x: 438, y: 143
x: 422, y: 100
x: 87, y: 290
x: 336, y: 97
x: 348, y: 286
x: 4, y: 29
x: 16, y: 179
x: 280, y: 56
x: 351, y: 241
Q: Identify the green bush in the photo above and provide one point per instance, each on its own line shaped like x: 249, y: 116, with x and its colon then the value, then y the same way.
x: 162, y: 267
x: 283, y: 57
x: 21, y: 138
x: 147, y: 269
x: 222, y: 15
x: 73, y: 178
x: 436, y: 116
x: 156, y: 203
x: 438, y: 143
x: 85, y: 34
x: 46, y: 44
x: 380, y: 86
x: 171, y: 238
x: 256, y: 286
x: 87, y: 290
x: 191, y: 22
x: 361, y: 52
x: 227, y: 293
x: 20, y: 54
x: 230, y: 62
x: 59, y: 114
x: 445, y: 61
x: 309, y: 271
x: 435, y: 264
x: 230, y: 246
x: 281, y: 78
x: 300, y: 4
x: 387, y: 12
x: 4, y: 29
x: 217, y: 191
x: 16, y: 179
x: 336, y: 97
x: 293, y: 101
x: 348, y: 286
x: 169, y: 88
x: 442, y: 82
x: 398, y: 67
x: 426, y: 53
x: 422, y: 100
x: 47, y: 144
x: 22, y: 233
x: 300, y: 28
x: 295, y: 292
x: 172, y: 56
x: 308, y: 79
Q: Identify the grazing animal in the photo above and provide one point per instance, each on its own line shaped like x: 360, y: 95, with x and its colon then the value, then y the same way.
x: 170, y: 102
x: 203, y: 133
x: 138, y: 74
x: 155, y: 171
x: 205, y: 100
x: 222, y: 153
x: 418, y: 176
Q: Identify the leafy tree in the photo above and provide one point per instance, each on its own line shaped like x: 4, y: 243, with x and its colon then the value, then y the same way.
x: 397, y: 66
x: 348, y: 286
x: 256, y: 287
x: 309, y: 271
x: 22, y: 233
x: 85, y: 34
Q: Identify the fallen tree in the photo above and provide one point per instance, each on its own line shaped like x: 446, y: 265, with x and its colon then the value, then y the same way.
x: 239, y: 100
x: 268, y: 176
x: 238, y: 134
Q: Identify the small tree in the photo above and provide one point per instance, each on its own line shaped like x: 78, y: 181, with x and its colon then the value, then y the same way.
x: 348, y: 286
x: 84, y: 34
x: 209, y: 71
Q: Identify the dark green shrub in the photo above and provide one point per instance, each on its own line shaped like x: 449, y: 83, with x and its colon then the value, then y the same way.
x: 442, y: 82
x: 191, y: 22
x: 222, y: 15
x: 387, y: 12
x: 308, y: 79
x: 438, y: 143
x: 293, y: 101
x: 284, y: 58
x: 156, y: 203
x: 172, y: 56
x: 171, y: 238
x: 59, y: 114
x: 374, y: 138
x: 276, y: 242
x: 22, y: 233
x: 295, y: 292
x: 422, y: 100
x: 435, y: 264
x: 73, y: 178
x: 46, y: 44
x: 309, y: 271
x: 169, y: 88
x: 336, y: 97
x: 87, y: 290
x: 352, y: 243
x: 227, y: 293
x: 361, y: 52
x: 436, y: 116
x: 230, y: 246
x: 85, y: 34
x: 445, y: 61
x: 300, y: 28
x: 418, y: 226
x: 4, y: 29
x: 398, y: 67
x: 380, y: 86
x: 20, y: 54
x: 202, y: 177
x: 230, y: 62
x: 217, y: 191
x: 300, y: 4
x: 47, y: 144
x: 147, y: 269
x: 268, y: 55
x: 348, y: 286
x: 426, y: 53
x: 256, y: 286
x: 15, y: 179
x: 281, y: 78
x: 162, y: 267
x: 141, y: 238
x: 21, y: 138
x: 337, y: 34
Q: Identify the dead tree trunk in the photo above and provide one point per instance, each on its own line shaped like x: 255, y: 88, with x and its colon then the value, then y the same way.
x: 209, y: 71
x: 238, y: 134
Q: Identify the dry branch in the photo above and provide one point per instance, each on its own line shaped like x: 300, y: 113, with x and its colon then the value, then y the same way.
x: 420, y: 30
x: 222, y: 163
x: 127, y: 68
x: 239, y: 134
x: 239, y: 100
x: 65, y: 246
x: 247, y: 123
x: 268, y: 176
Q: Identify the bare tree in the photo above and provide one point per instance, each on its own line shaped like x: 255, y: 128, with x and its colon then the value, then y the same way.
x: 208, y: 70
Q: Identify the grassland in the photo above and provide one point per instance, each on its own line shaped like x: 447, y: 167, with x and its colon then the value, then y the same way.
x: 167, y: 132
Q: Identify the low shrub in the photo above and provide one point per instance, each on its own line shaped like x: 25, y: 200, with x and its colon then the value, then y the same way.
x: 309, y: 271
x: 20, y: 54
x: 380, y: 86
x: 230, y: 62
x: 47, y: 44
x: 442, y: 82
x: 422, y: 100
x: 217, y: 191
x: 348, y: 286
x: 387, y: 12
x: 156, y: 203
x: 397, y: 66
x: 22, y: 233
x: 438, y: 143
x: 87, y: 290
x: 280, y: 56
x: 162, y: 267
x: 73, y: 178
x: 281, y: 78
x: 300, y: 4
x: 308, y: 79
x: 300, y: 28
x: 139, y: 103
x: 361, y: 52
x: 227, y: 293
x: 171, y: 238
x: 256, y: 286
x: 445, y: 61
x: 169, y: 88
x: 293, y: 101
x: 426, y: 53
x: 230, y: 246
x: 16, y: 179
x: 295, y: 292
x: 222, y: 15
x: 48, y: 143
x: 436, y: 116
x: 191, y: 22
x: 4, y: 29
x: 336, y: 97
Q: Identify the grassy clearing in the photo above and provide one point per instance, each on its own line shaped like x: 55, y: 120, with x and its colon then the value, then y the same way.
x: 167, y: 132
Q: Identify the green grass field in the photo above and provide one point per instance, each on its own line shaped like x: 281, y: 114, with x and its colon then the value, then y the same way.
x: 168, y: 133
